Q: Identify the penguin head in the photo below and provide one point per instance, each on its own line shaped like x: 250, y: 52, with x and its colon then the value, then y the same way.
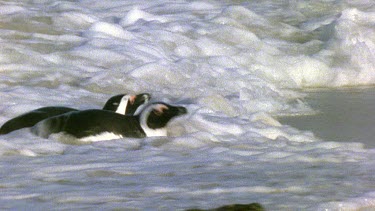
x: 136, y: 103
x: 157, y: 115
x: 126, y: 104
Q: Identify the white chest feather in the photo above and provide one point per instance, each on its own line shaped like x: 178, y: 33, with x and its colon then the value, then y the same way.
x: 101, y: 137
x: 121, y: 109
x: 154, y: 132
x: 149, y: 131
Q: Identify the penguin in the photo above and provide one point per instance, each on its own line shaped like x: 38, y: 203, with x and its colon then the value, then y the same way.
x: 127, y: 104
x: 123, y: 104
x: 100, y: 125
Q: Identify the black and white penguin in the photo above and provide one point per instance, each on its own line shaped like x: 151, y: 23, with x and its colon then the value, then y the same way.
x: 127, y: 104
x: 100, y: 125
x: 124, y: 104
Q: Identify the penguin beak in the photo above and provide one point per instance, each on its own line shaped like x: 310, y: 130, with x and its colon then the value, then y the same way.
x: 146, y: 97
x: 181, y: 110
x: 169, y: 110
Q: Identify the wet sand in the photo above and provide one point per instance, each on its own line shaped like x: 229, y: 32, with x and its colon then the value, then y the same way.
x: 344, y: 115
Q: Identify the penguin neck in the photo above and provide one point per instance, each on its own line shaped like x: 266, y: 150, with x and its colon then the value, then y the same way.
x: 150, y: 132
x: 140, y: 109
x: 121, y: 109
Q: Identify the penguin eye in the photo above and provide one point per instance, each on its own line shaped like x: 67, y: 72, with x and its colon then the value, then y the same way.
x: 132, y: 99
x: 158, y: 112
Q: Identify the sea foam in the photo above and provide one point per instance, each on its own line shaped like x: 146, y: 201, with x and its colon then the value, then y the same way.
x: 235, y: 65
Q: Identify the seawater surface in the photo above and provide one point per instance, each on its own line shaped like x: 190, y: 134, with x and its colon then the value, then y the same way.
x: 235, y: 65
x: 344, y: 114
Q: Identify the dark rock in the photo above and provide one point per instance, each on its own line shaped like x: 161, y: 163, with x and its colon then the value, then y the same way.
x: 235, y: 207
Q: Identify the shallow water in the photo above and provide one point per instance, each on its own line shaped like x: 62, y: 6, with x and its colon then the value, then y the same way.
x: 233, y: 64
x: 345, y: 115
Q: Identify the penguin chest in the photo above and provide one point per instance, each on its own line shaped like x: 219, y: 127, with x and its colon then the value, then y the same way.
x: 104, y: 136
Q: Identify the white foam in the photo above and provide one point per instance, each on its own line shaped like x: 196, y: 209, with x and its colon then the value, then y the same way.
x: 10, y: 9
x: 210, y: 47
x: 201, y: 6
x: 74, y: 18
x: 215, y: 125
x: 363, y: 202
x: 234, y: 66
x: 309, y: 72
x: 136, y: 14
x: 101, y: 56
x: 353, y: 40
x: 159, y: 74
x: 219, y: 103
x: 110, y: 29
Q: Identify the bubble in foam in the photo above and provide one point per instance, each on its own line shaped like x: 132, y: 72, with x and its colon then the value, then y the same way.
x: 111, y: 30
x: 236, y: 35
x: 215, y: 125
x: 185, y: 51
x: 73, y: 19
x: 201, y: 6
x: 210, y: 47
x: 136, y: 14
x: 353, y: 43
x: 27, y: 152
x: 264, y: 118
x: 157, y: 74
x: 10, y: 9
x: 219, y: 103
x: 99, y: 55
x: 185, y: 141
x: 308, y: 72
x: 363, y: 202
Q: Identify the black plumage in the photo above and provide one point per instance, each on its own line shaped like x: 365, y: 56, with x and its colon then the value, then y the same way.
x: 31, y: 118
x: 82, y: 124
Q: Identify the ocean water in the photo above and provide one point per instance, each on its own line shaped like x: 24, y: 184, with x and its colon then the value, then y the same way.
x: 343, y: 115
x: 236, y: 65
